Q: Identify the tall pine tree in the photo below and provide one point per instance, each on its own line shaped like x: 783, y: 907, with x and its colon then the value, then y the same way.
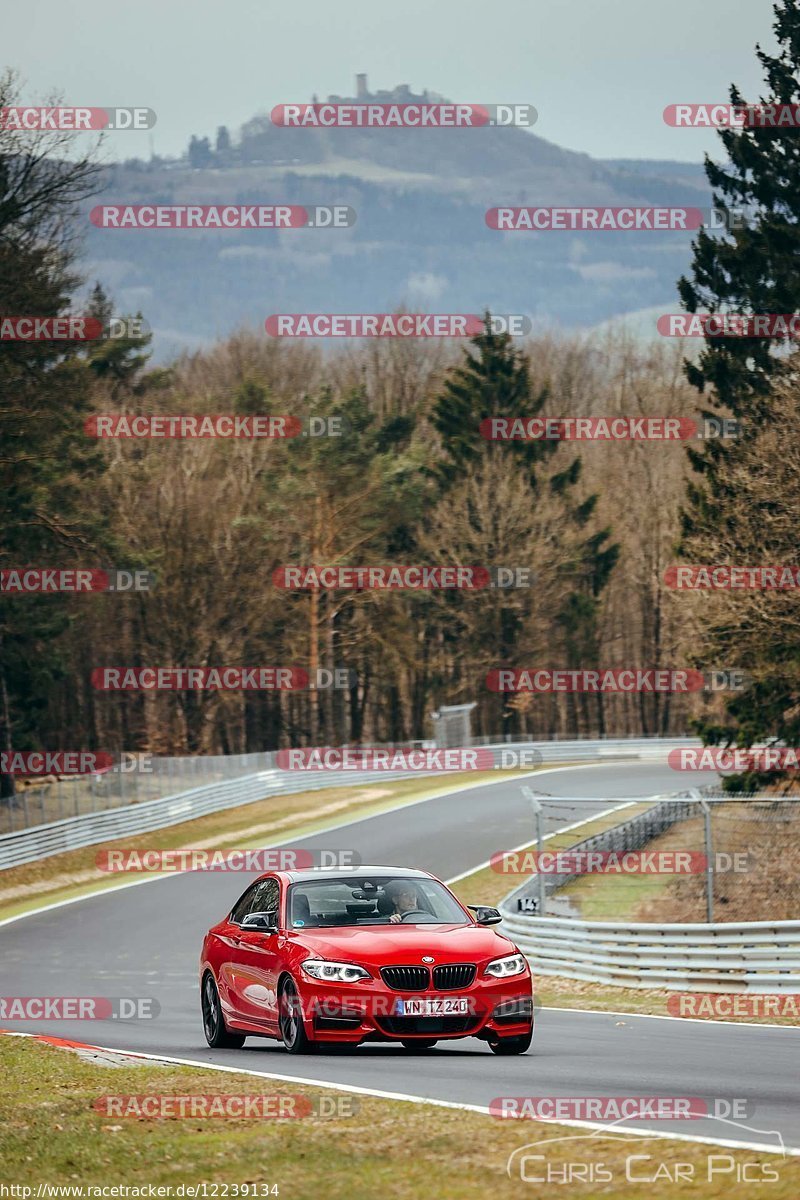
x: 47, y: 512
x: 493, y: 380
x: 754, y: 268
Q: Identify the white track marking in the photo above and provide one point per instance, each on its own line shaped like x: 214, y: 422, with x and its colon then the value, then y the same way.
x: 612, y: 1012
x: 556, y: 833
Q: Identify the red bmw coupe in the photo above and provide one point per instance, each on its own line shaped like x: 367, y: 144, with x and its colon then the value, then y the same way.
x: 369, y: 954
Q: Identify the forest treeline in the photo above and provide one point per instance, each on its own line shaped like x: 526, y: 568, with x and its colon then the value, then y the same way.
x: 409, y: 480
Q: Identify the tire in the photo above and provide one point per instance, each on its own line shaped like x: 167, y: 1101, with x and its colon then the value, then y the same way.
x: 290, y: 1019
x: 217, y: 1034
x: 512, y: 1045
x: 419, y: 1043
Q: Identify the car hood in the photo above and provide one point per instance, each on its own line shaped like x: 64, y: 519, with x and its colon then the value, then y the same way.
x: 387, y: 944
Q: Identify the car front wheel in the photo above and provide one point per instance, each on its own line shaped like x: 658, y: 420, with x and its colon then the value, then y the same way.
x: 512, y: 1045
x: 217, y: 1035
x: 293, y: 1031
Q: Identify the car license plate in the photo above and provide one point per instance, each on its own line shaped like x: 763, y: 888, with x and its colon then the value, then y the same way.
x: 433, y: 1006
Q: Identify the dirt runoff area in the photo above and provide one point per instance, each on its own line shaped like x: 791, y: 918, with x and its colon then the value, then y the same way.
x: 756, y: 853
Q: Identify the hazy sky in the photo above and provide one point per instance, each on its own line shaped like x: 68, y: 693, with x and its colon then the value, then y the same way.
x: 599, y: 71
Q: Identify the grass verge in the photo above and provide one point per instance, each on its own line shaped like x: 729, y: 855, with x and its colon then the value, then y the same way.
x: 553, y: 991
x: 757, y: 852
x: 50, y: 1133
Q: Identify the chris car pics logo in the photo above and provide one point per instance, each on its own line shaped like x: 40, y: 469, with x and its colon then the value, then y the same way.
x: 613, y: 1154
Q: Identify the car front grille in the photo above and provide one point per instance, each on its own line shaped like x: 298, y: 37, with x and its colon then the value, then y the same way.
x: 451, y: 976
x: 406, y: 979
x: 402, y: 1026
x: 448, y: 977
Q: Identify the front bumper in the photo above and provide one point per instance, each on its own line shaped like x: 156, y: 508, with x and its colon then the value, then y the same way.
x: 366, y: 1011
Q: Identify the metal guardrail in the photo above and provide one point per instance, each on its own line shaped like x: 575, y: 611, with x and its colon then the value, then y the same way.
x: 41, y: 841
x: 144, y: 777
x: 749, y: 956
x: 88, y: 829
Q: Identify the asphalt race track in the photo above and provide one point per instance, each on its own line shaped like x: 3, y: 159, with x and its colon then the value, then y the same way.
x: 145, y: 940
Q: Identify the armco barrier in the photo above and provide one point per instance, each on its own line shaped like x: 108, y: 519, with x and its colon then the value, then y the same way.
x: 29, y: 845
x: 88, y: 829
x: 748, y: 956
x: 144, y: 777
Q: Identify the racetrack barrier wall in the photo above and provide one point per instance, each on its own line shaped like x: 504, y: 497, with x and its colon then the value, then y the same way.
x: 749, y: 956
x: 135, y: 817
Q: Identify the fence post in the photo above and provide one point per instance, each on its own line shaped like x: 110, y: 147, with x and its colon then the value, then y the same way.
x: 537, y: 810
x: 706, y: 807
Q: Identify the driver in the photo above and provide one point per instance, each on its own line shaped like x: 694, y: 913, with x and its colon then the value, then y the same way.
x: 404, y: 897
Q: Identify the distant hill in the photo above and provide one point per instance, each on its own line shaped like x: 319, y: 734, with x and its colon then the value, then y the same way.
x: 420, y: 237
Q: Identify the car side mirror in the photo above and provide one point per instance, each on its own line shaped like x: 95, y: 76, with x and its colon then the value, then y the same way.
x: 267, y: 922
x: 485, y: 915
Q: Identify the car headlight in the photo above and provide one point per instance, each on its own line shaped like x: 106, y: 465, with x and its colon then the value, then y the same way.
x: 501, y: 968
x: 334, y: 972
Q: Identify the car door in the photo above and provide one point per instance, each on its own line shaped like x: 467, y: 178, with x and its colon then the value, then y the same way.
x: 252, y: 968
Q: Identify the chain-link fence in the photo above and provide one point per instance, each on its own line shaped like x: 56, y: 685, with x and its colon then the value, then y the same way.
x: 699, y: 857
x: 39, y: 801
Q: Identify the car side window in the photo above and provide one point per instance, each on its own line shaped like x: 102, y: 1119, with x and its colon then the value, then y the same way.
x: 263, y: 896
x: 242, y: 906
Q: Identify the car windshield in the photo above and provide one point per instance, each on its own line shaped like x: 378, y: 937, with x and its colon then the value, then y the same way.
x: 360, y: 900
